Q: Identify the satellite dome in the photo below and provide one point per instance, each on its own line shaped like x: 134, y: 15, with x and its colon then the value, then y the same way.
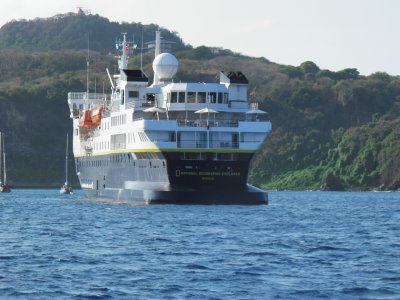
x: 165, y: 66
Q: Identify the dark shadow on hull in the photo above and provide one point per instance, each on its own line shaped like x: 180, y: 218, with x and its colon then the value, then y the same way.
x: 248, y: 195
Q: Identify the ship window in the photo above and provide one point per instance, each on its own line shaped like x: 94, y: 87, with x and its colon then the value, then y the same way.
x: 174, y: 97
x: 225, y: 156
x: 225, y: 101
x: 122, y: 97
x: 191, y: 97
x: 201, y: 97
x: 172, y: 136
x: 192, y: 155
x: 209, y: 155
x: 150, y: 97
x: 181, y: 97
x: 118, y: 141
x: 220, y: 97
x: 133, y: 94
x: 213, y: 97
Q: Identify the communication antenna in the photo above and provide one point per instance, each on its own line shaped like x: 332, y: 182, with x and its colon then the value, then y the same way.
x: 157, y: 48
x: 141, y: 54
x: 83, y: 11
x: 87, y: 67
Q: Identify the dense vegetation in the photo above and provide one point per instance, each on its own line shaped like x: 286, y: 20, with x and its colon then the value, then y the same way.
x: 72, y: 31
x: 330, y: 129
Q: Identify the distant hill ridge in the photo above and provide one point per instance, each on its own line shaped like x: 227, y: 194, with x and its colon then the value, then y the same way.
x: 70, y: 31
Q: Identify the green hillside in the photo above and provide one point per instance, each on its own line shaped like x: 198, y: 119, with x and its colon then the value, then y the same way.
x: 331, y: 129
x: 71, y: 31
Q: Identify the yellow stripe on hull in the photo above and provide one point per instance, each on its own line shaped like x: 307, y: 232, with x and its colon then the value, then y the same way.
x: 154, y: 150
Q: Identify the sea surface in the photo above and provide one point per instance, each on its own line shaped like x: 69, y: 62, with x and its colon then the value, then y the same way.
x: 303, y: 245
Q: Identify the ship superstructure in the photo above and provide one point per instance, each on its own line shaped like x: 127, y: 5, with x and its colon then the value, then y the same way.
x: 168, y: 142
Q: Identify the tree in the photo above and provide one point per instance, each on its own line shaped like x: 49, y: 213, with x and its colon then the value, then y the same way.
x: 308, y: 67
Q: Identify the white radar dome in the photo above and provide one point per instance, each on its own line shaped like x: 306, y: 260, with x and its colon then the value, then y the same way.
x: 165, y: 66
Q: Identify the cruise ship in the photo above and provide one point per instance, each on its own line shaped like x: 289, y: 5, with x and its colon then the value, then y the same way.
x: 167, y: 142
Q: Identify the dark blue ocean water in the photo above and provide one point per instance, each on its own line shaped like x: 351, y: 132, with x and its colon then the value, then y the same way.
x: 304, y: 245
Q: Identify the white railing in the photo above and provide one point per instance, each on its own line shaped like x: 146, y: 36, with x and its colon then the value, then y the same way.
x: 85, y: 96
x: 207, y: 123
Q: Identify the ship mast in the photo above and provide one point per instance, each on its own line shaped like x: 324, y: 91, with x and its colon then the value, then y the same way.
x: 66, y: 163
x: 87, y: 70
x: 1, y: 154
x: 4, y: 161
x: 123, y: 61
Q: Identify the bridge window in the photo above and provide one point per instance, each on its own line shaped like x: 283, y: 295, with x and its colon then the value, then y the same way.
x: 212, y: 97
x: 174, y: 97
x: 220, y: 97
x: 191, y: 97
x: 201, y: 97
x: 181, y: 97
x: 225, y: 99
x: 133, y: 94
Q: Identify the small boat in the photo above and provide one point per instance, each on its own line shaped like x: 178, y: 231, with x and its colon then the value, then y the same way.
x: 4, y: 187
x: 66, y: 188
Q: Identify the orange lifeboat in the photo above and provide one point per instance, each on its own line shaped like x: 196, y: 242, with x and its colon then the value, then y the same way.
x: 86, y: 120
x: 96, y: 116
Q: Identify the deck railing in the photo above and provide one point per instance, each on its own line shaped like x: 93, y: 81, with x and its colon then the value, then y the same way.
x: 207, y: 123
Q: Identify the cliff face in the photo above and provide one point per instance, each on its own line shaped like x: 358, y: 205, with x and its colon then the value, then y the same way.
x: 35, y: 128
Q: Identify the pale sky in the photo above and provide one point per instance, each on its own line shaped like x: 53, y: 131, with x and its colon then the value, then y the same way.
x: 334, y: 34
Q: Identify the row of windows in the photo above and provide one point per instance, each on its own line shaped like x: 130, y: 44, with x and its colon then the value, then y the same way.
x: 209, y: 156
x: 118, y: 120
x: 135, y: 94
x: 105, y: 125
x: 127, y: 158
x: 198, y: 97
x: 101, y: 145
x: 118, y: 141
x: 131, y: 137
x: 119, y: 158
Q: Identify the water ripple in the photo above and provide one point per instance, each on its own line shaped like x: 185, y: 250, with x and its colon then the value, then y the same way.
x: 301, y: 246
